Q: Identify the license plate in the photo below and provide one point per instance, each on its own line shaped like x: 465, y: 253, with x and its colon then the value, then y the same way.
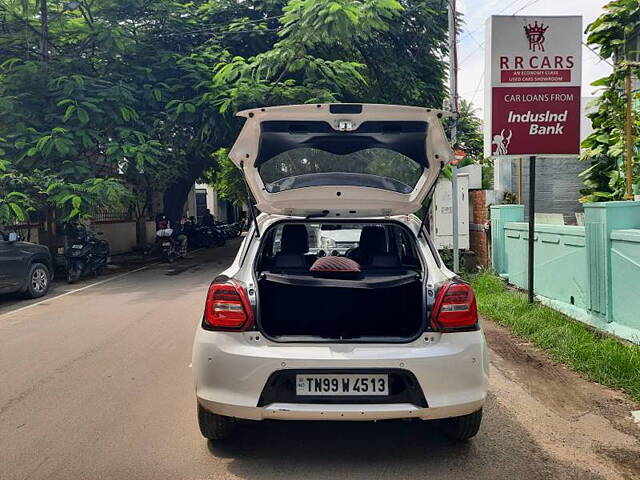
x: 78, y: 247
x: 166, y: 244
x: 332, y: 384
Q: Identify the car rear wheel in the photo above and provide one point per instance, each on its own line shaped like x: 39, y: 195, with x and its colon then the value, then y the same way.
x: 215, y: 427
x: 37, y: 280
x: 464, y: 427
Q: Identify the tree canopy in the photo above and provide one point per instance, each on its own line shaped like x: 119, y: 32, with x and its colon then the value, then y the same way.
x: 109, y: 101
x: 604, y: 149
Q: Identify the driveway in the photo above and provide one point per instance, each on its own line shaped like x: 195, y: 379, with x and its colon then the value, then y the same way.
x: 96, y: 384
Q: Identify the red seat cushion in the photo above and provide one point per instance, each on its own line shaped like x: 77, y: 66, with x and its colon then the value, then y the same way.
x: 335, y: 265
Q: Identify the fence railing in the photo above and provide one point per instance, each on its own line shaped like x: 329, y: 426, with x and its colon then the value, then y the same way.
x: 112, y: 216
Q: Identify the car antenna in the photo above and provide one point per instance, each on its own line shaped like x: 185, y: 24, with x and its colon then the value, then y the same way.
x: 249, y: 202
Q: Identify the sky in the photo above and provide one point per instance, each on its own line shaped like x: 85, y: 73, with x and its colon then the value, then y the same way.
x: 471, y: 77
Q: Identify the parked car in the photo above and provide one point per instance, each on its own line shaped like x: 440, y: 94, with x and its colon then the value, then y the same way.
x: 24, y: 267
x: 380, y: 329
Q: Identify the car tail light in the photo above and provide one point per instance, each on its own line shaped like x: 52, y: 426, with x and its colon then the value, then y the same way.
x: 228, y: 307
x: 455, y: 308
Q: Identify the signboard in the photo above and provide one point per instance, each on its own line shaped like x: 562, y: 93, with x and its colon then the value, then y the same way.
x: 533, y: 90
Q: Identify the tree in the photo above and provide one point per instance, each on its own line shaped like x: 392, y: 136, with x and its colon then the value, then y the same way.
x: 470, y: 136
x: 604, y: 149
x: 109, y: 103
x: 143, y: 93
x: 370, y: 51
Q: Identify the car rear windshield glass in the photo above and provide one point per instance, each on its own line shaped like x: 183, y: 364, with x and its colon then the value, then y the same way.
x: 342, y: 239
x: 371, y: 167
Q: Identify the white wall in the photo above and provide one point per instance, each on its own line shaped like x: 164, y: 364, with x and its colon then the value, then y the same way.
x: 122, y: 235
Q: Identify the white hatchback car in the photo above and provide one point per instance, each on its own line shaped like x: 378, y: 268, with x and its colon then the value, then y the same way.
x: 377, y: 328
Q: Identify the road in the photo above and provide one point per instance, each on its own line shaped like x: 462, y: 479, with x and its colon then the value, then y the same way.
x: 96, y: 384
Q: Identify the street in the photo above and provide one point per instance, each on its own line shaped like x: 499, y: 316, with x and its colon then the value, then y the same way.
x: 97, y: 384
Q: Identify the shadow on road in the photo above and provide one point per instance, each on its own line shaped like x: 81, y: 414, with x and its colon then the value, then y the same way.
x: 274, y: 450
x: 196, y: 260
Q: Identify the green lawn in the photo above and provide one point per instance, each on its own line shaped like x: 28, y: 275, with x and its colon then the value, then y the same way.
x: 600, y: 358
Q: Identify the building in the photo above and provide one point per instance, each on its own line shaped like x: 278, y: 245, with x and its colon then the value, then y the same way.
x: 203, y: 196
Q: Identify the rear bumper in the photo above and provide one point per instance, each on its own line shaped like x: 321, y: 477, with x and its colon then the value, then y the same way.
x: 231, y: 370
x: 303, y: 411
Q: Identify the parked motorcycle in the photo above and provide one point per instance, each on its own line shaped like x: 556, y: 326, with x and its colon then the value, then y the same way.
x: 202, y: 236
x: 86, y: 255
x: 173, y: 246
x: 236, y: 229
x: 219, y: 238
x: 229, y: 230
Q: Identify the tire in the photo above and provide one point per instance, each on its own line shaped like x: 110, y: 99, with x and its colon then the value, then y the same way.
x: 215, y: 427
x: 73, y: 273
x: 462, y: 428
x: 38, y: 279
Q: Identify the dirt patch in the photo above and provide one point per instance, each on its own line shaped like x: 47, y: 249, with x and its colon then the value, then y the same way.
x: 628, y: 460
x: 574, y: 419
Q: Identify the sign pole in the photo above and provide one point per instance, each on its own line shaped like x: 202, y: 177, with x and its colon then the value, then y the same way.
x: 532, y: 210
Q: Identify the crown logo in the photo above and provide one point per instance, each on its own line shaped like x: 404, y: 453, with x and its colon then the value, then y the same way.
x: 535, y: 35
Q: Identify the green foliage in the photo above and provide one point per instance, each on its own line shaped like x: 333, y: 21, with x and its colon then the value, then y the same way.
x: 346, y: 50
x: 604, y: 149
x: 470, y: 137
x: 78, y: 201
x: 14, y: 205
x: 600, y: 358
x: 487, y: 173
x: 326, y: 51
x: 470, y: 140
x: 142, y: 93
x: 227, y: 179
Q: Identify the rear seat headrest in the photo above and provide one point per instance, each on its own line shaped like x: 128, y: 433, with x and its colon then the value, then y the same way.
x: 372, y: 240
x: 294, y: 239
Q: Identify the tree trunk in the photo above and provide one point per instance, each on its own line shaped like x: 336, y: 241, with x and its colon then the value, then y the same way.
x: 175, y: 196
x: 44, y: 30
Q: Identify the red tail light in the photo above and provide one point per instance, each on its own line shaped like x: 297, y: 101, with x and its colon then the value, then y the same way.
x: 455, y: 308
x: 228, y: 307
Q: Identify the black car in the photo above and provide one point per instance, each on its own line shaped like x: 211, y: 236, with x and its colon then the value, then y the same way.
x: 24, y: 267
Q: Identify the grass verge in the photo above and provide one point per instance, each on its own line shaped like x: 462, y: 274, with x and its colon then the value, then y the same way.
x: 600, y: 358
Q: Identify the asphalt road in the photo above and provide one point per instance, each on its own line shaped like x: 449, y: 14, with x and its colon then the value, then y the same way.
x: 96, y: 384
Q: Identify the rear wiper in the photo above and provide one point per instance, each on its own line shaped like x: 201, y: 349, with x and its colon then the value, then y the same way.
x: 324, y: 213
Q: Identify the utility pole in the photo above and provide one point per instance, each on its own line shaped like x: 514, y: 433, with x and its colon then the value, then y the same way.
x: 453, y: 106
